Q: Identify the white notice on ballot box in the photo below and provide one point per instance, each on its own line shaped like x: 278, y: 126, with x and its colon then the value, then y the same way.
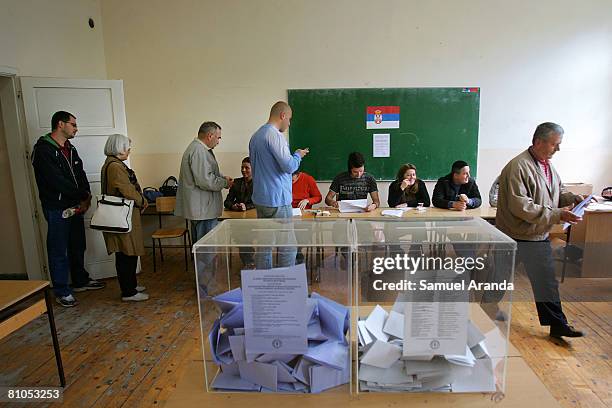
x: 435, y: 328
x: 274, y: 303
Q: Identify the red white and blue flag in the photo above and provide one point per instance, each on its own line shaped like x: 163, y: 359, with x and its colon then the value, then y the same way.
x: 382, y: 117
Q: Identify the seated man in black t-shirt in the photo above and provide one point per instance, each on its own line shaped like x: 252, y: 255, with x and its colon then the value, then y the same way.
x: 354, y: 184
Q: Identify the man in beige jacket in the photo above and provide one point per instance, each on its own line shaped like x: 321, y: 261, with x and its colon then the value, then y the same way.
x: 530, y: 202
x: 198, y: 197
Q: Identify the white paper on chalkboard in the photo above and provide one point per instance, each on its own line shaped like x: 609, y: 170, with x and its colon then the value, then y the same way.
x: 381, y: 145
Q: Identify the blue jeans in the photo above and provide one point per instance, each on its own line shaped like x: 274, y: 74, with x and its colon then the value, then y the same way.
x: 286, y: 254
x: 66, y: 251
x: 204, y: 261
x: 199, y: 228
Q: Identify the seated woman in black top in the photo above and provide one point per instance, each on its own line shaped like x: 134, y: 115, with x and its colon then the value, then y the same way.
x: 407, y: 190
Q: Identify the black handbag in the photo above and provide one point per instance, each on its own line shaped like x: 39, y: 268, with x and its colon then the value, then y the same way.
x: 168, y: 189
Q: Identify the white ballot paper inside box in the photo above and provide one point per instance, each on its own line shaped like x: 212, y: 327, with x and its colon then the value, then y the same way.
x: 435, y: 328
x: 352, y: 206
x: 274, y: 318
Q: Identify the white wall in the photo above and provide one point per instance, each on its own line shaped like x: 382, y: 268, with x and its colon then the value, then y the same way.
x: 187, y: 62
x: 52, y: 38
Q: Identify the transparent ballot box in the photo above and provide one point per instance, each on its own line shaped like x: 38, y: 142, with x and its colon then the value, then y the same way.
x: 274, y: 298
x: 433, y: 305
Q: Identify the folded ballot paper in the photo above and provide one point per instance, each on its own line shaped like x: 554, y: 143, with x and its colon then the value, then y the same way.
x: 325, y: 364
x: 385, y: 367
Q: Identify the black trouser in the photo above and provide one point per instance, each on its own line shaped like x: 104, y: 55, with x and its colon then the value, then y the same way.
x: 126, y: 273
x: 536, y: 256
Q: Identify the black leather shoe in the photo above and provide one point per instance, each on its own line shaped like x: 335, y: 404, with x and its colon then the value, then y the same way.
x: 564, y: 331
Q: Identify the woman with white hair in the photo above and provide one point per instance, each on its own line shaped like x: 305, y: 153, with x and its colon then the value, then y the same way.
x: 120, y: 181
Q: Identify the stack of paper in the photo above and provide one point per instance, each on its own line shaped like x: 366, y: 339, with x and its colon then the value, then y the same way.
x: 396, y: 212
x: 325, y: 365
x: 353, y: 206
x: 383, y: 367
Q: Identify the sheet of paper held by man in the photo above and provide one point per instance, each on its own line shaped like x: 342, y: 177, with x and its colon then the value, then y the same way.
x: 274, y: 303
x: 435, y: 328
x: 579, y: 209
x: 352, y: 206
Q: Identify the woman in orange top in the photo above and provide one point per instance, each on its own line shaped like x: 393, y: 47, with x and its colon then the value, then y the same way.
x: 305, y: 191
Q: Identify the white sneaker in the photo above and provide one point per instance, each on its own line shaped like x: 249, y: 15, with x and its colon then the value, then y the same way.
x: 140, y: 288
x: 67, y: 301
x: 136, y: 298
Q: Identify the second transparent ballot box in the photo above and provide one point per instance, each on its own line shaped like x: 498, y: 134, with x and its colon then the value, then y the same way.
x: 275, y: 301
x: 433, y: 305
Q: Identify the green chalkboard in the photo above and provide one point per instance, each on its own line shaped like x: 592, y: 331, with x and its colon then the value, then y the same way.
x: 436, y: 127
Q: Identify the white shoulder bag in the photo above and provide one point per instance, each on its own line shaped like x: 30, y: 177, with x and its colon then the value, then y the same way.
x: 112, y: 214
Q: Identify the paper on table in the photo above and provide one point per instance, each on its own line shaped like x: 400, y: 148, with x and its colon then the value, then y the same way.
x: 296, y: 212
x: 352, y: 206
x: 375, y: 323
x: 394, y: 325
x: 393, y: 213
x: 605, y: 206
x: 381, y: 354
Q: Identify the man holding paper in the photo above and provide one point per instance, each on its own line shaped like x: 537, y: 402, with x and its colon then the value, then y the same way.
x: 530, y: 202
x: 353, y: 185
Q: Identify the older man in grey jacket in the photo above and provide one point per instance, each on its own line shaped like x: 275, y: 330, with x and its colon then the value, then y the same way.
x: 530, y: 202
x: 198, y: 198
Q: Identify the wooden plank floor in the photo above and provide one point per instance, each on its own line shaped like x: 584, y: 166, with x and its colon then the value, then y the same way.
x: 126, y: 355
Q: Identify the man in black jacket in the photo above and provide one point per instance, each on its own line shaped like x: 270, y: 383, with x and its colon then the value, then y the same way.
x: 62, y: 185
x: 457, y: 190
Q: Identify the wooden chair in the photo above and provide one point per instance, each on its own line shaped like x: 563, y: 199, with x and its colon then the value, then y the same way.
x: 165, y: 205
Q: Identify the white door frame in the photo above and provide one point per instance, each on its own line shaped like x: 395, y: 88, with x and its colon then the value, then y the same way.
x: 21, y: 173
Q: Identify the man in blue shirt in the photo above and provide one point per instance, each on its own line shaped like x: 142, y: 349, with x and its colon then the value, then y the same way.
x: 272, y: 165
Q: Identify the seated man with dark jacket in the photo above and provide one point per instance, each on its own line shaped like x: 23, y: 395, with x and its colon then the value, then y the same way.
x: 457, y: 190
x: 239, y: 195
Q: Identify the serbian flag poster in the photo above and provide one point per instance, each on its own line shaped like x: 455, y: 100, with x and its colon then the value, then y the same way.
x: 382, y: 117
